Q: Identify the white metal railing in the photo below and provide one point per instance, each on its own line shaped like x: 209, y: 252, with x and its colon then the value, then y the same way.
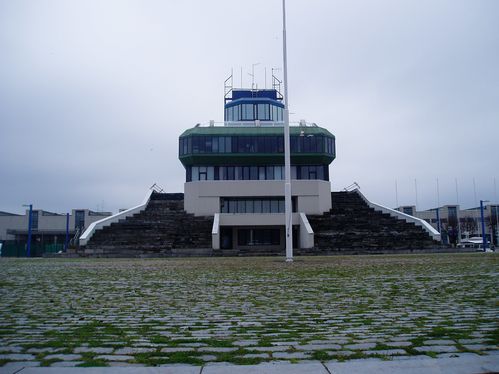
x: 256, y: 123
x: 216, y: 224
x: 98, y: 225
x: 408, y: 218
x: 352, y: 187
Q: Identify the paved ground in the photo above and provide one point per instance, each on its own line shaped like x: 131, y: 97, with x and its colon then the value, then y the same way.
x: 62, y: 313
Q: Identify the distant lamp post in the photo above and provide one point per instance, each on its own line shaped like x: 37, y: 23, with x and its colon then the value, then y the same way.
x: 437, y: 211
x: 30, y: 229
x: 484, y: 238
x: 66, y: 240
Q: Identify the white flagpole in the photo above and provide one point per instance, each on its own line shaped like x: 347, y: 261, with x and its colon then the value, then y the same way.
x: 287, y: 153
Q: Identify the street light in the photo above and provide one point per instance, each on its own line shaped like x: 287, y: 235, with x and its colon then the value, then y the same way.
x: 484, y: 238
x: 30, y: 221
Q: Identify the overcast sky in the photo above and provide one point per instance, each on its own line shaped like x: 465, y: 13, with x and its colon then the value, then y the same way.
x: 94, y: 94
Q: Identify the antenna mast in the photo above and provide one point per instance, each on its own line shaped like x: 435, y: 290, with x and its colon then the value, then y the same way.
x: 287, y: 154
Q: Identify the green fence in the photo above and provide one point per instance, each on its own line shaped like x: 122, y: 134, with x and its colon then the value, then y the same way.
x: 37, y: 250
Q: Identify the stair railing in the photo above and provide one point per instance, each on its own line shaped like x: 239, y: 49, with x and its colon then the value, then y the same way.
x: 352, y: 187
x: 406, y: 217
x: 156, y: 188
x: 98, y: 225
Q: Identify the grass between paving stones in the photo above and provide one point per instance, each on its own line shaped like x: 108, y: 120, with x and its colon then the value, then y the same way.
x: 219, y: 301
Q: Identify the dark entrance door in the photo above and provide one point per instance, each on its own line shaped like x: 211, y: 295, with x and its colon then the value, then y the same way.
x: 226, y: 238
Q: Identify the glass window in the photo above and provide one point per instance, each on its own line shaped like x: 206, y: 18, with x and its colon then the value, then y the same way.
x: 293, y: 172
x: 249, y: 206
x: 214, y: 144
x: 203, y: 174
x: 282, y: 208
x: 254, y: 173
x: 232, y: 206
x: 195, y: 144
x: 278, y: 172
x: 195, y: 173
x: 280, y: 144
x: 211, y: 173
x: 261, y: 173
x: 270, y: 172
x: 274, y: 206
x: 274, y: 113
x: 265, y: 206
x: 304, y: 172
x: 320, y: 172
x: 246, y: 173
x: 247, y: 112
x: 257, y: 206
x: 221, y: 144
x: 312, y: 172
x: 279, y: 114
x: 236, y: 115
x: 263, y: 112
x: 241, y: 206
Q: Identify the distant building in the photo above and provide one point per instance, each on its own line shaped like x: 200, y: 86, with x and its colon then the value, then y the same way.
x: 48, y: 230
x: 456, y: 224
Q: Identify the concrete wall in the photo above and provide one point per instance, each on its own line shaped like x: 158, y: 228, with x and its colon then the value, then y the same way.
x: 12, y: 223
x: 202, y: 198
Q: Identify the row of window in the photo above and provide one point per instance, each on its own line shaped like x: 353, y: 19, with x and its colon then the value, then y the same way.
x: 251, y: 112
x: 255, y: 144
x: 251, y: 237
x: 268, y: 172
x: 254, y: 205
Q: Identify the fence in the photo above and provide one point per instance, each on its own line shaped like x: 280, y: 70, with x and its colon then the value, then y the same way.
x: 37, y: 250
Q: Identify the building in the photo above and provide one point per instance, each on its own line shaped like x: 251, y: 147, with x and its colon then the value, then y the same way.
x: 233, y: 200
x: 48, y: 230
x: 234, y: 171
x: 457, y: 224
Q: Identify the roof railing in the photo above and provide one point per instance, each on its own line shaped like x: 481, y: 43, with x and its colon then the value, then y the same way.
x: 256, y: 123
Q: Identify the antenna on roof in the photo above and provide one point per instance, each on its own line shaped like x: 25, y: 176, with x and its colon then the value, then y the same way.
x: 228, y: 86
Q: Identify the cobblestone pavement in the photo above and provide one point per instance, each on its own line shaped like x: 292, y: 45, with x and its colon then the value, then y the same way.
x: 152, y: 312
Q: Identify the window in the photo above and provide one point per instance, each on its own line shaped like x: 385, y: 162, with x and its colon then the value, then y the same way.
x: 214, y: 144
x: 261, y: 172
x: 236, y: 116
x: 247, y: 112
x: 269, y: 172
x: 34, y: 219
x: 407, y: 210
x: 203, y: 175
x: 253, y: 205
x: 251, y: 237
x: 254, y: 173
x: 79, y: 219
x: 221, y: 144
x: 263, y: 112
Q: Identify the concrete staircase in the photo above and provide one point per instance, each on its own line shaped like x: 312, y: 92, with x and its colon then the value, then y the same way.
x: 351, y: 226
x: 162, y: 229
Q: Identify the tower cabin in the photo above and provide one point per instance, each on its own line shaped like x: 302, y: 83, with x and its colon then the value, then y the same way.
x: 234, y: 172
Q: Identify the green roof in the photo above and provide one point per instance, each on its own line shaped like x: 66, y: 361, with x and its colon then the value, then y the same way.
x: 254, y: 131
